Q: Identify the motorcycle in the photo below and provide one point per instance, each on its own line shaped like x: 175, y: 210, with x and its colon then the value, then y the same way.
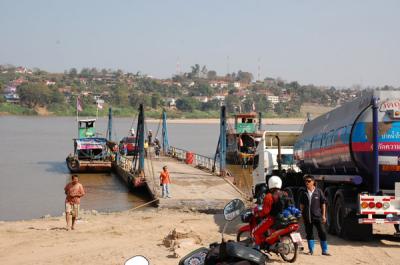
x: 282, y: 238
x: 226, y: 252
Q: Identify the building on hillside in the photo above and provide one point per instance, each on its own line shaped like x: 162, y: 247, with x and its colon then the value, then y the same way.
x: 171, y: 103
x: 21, y: 70
x: 65, y: 90
x: 10, y: 90
x: 50, y: 83
x: 284, y: 98
x: 219, y: 97
x: 12, y: 98
x: 273, y: 99
x: 18, y: 81
x: 218, y: 84
x: 202, y: 99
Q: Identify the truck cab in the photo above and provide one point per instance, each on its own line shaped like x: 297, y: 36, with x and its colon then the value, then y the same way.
x: 274, y: 155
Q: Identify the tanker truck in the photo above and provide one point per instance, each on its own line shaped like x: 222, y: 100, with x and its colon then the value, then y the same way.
x: 353, y: 152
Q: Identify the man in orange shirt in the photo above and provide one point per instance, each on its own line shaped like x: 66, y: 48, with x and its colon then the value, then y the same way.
x: 74, y: 191
x: 165, y: 181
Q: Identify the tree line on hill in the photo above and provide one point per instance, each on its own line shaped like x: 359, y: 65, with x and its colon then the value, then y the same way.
x: 197, y: 93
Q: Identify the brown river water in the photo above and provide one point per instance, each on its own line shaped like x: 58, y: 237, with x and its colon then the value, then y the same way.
x: 33, y: 172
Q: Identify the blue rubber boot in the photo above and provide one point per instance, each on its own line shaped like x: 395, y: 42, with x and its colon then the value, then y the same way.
x: 324, y: 246
x: 311, y: 244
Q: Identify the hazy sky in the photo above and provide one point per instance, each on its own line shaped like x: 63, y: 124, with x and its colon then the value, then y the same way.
x: 322, y: 42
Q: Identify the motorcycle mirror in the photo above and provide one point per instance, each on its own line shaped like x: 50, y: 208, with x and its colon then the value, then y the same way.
x: 137, y: 260
x: 233, y: 209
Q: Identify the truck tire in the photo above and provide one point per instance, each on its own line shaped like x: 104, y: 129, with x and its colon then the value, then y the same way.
x: 329, y: 195
x: 345, y: 223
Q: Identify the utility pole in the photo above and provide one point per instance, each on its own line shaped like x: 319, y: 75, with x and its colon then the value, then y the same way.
x: 222, y: 142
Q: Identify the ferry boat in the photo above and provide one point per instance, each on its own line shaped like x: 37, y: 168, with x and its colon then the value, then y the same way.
x: 91, y: 153
x: 242, y: 140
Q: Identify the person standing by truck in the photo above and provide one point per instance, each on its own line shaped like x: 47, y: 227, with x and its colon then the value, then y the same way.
x: 313, y: 207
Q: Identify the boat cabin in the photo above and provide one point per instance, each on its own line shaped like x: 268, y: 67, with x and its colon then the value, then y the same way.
x: 90, y: 148
x: 246, y: 123
x: 86, y: 128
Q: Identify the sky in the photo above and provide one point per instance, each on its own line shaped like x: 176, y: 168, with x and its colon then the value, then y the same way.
x: 321, y: 42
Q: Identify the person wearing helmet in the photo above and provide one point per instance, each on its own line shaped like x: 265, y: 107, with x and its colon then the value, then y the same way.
x: 272, y: 206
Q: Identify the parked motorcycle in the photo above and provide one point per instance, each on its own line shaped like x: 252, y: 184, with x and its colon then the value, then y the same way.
x: 226, y: 252
x: 282, y: 238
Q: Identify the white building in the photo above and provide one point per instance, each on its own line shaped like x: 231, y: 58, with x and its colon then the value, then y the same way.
x: 273, y: 99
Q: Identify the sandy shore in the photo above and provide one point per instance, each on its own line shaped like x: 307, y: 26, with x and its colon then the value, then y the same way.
x: 113, y: 238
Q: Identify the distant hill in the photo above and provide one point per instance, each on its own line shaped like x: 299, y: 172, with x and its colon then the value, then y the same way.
x: 314, y: 109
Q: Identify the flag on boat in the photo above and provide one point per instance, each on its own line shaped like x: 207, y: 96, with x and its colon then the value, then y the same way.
x: 78, y: 104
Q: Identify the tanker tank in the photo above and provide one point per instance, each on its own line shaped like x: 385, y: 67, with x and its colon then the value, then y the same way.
x: 340, y: 142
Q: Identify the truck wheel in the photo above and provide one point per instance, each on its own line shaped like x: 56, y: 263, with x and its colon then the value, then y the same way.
x: 339, y: 216
x: 346, y: 224
x: 330, y: 217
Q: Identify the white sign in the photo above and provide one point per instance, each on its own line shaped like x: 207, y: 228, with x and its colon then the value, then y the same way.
x: 388, y: 160
x: 397, y: 190
x: 390, y: 105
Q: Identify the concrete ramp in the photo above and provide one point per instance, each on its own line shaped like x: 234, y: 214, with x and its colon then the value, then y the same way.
x: 190, y: 187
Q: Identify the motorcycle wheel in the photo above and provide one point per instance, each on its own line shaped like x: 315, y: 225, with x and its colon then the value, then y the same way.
x: 291, y: 249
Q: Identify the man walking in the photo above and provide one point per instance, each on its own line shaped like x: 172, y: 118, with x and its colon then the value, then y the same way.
x: 313, y: 207
x: 74, y: 191
x: 165, y: 181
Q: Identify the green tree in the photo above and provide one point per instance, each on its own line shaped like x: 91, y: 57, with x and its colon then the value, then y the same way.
x: 187, y: 104
x: 73, y: 72
x: 245, y: 77
x: 120, y: 95
x: 232, y: 103
x: 56, y: 97
x: 34, y: 94
x: 195, y: 71
x: 155, y: 100
x: 211, y: 75
x: 210, y: 105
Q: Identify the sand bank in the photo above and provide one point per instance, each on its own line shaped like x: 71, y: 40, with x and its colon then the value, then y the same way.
x: 113, y: 238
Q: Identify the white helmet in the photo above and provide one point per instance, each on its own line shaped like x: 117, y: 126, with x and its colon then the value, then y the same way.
x: 274, y: 182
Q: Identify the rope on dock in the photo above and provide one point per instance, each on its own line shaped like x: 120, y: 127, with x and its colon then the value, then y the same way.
x: 144, y: 204
x: 244, y: 195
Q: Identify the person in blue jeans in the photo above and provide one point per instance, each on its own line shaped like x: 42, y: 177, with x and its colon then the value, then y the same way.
x: 313, y: 207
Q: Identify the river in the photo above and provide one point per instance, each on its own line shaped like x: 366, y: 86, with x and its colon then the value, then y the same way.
x: 33, y: 172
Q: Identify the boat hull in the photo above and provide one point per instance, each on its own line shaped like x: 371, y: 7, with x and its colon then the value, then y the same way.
x: 82, y: 166
x: 133, y: 181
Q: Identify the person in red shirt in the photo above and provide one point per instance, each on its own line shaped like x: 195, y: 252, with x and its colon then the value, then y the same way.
x: 74, y: 191
x: 165, y: 180
x: 268, y: 211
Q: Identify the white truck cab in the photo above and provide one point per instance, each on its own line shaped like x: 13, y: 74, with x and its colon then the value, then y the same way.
x: 271, y: 145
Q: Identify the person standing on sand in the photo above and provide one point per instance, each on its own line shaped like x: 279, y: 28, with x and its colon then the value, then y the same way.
x: 313, y: 207
x: 165, y: 180
x: 74, y: 191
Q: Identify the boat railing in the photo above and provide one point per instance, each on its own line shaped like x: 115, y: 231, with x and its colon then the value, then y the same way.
x: 197, y: 160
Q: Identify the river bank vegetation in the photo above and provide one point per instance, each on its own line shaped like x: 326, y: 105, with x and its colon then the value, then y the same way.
x: 198, y: 93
